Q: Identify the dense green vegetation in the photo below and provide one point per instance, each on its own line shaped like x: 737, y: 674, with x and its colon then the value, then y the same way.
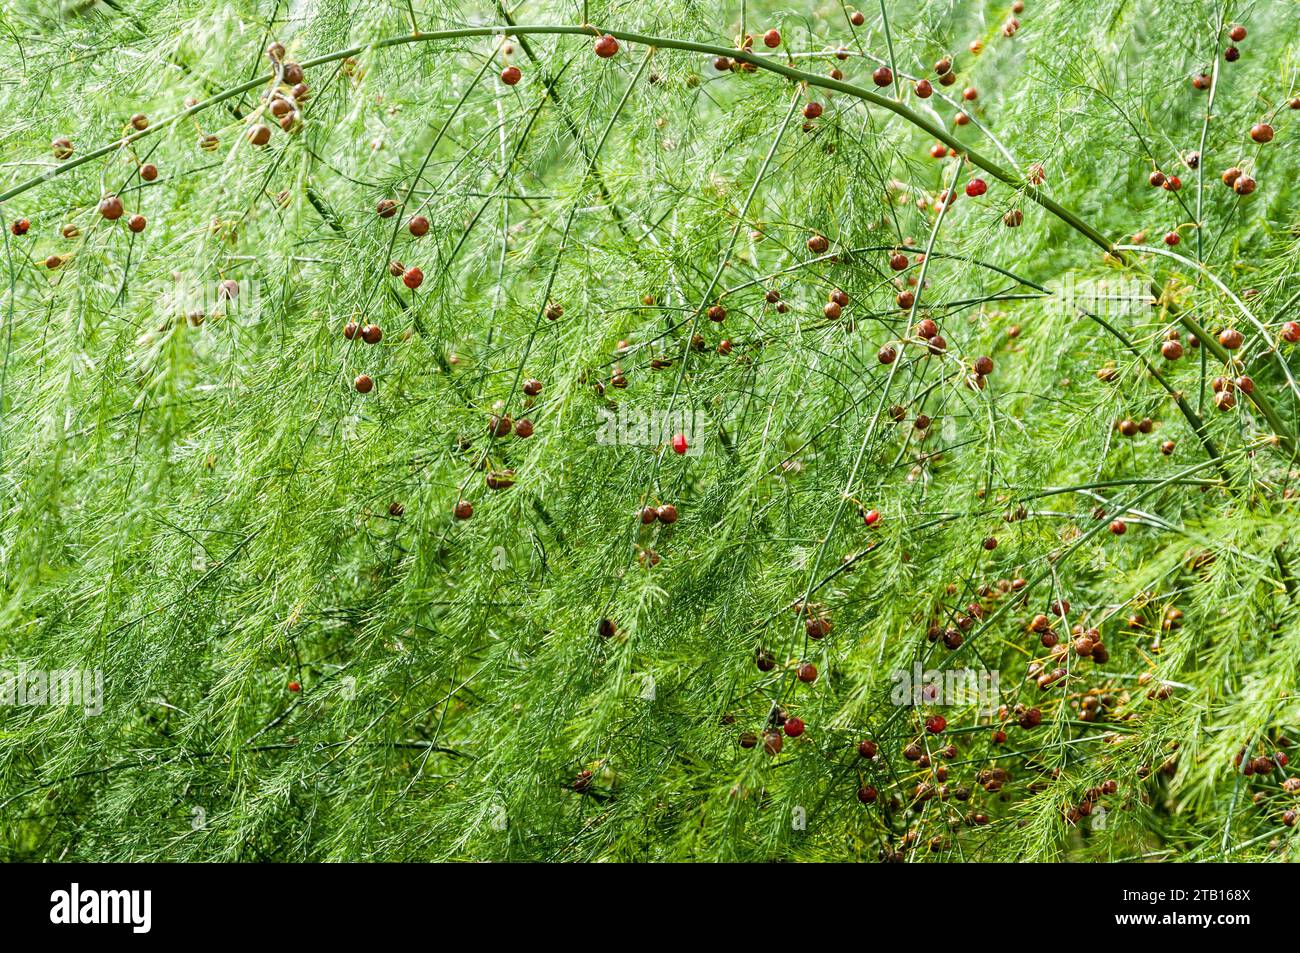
x: 259, y: 480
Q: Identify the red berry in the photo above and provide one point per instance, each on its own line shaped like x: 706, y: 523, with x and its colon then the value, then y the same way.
x: 1119, y: 528
x: 872, y: 517
x: 882, y: 76
x: 418, y: 226
x: 511, y: 75
x: 1236, y: 33
x: 136, y: 223
x: 808, y: 672
x: 413, y: 278
x: 935, y: 724
x: 1230, y: 338
x: 148, y: 172
x: 923, y: 89
x: 857, y: 19
x: 364, y: 384
x: 867, y: 794
x: 976, y: 187
x: 110, y: 206
x: 1172, y: 239
x: 898, y: 261
x: 1291, y: 332
x: 463, y: 510
x: 679, y: 443
x: 969, y: 94
x: 1261, y: 132
x: 794, y: 727
x: 772, y: 39
x: 812, y: 110
x: 295, y: 687
x: 606, y: 46
x: 20, y: 226
x: 990, y: 543
x: 867, y: 749
x: 1173, y: 183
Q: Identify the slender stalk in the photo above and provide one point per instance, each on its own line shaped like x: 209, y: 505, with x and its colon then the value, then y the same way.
x: 889, y: 44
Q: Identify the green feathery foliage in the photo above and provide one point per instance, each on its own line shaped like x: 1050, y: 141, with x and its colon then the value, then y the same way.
x: 305, y: 655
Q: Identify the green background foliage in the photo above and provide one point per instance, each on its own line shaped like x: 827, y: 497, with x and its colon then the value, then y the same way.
x: 198, y: 504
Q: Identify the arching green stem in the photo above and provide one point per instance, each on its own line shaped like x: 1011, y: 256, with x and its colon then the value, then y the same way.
x: 1285, y: 438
